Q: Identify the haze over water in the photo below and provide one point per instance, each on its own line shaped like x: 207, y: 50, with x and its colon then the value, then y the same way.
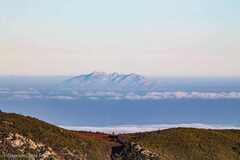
x: 190, y: 48
x: 38, y: 98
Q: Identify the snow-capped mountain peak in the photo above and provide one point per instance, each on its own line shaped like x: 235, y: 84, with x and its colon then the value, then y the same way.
x: 108, y: 81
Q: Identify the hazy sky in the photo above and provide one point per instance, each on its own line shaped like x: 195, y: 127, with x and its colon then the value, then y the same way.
x: 152, y: 37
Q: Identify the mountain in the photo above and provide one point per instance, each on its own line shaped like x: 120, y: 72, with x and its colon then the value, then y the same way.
x: 24, y: 137
x: 108, y: 82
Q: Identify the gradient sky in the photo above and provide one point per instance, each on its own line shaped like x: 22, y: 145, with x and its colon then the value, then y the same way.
x: 151, y: 37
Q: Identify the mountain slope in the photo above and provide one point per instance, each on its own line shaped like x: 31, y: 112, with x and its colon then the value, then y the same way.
x: 104, y: 81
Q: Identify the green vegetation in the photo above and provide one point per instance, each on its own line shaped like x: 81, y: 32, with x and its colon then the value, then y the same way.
x: 191, y: 144
x: 66, y: 144
x: 25, y: 136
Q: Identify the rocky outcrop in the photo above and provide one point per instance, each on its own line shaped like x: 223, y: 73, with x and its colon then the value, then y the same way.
x: 131, y: 151
x: 21, y: 145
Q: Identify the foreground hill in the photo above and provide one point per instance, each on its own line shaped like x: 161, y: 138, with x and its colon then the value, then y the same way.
x: 20, y: 135
x: 190, y: 144
x: 24, y: 137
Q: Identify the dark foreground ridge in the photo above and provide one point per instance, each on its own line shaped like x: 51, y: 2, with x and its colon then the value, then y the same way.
x: 24, y: 137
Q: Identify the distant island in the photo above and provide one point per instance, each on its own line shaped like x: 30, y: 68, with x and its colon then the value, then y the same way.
x: 102, y: 81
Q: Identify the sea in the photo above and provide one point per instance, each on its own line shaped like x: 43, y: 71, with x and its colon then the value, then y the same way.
x: 37, y: 97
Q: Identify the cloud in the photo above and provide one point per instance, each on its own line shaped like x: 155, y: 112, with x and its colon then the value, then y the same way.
x: 4, y: 92
x: 29, y: 91
x: 103, y: 94
x: 20, y: 97
x: 60, y: 97
x: 145, y: 128
x: 107, y: 95
x: 183, y: 95
x: 4, y: 89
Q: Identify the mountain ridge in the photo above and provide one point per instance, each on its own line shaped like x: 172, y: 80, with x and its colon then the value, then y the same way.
x: 108, y: 81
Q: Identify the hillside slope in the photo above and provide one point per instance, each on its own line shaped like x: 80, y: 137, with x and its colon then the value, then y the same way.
x: 20, y: 135
x: 190, y: 144
x: 24, y: 137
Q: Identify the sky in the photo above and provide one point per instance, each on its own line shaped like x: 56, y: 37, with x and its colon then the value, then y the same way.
x: 150, y: 37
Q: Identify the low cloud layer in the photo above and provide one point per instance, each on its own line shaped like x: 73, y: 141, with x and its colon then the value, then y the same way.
x: 75, y: 95
x: 145, y: 128
x: 184, y: 95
